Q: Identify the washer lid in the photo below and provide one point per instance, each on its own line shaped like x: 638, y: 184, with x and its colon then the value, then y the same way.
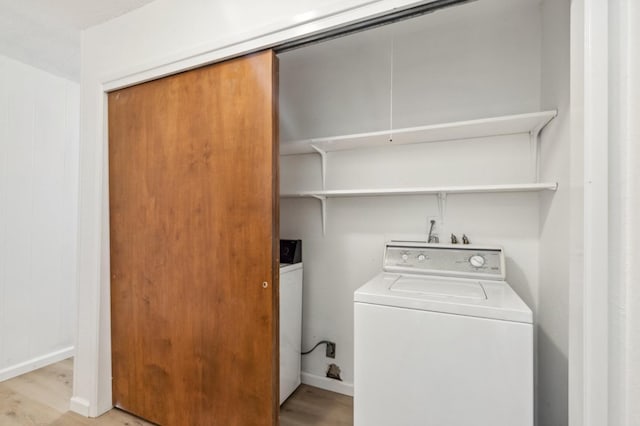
x: 425, y: 286
x: 289, y: 267
x: 459, y: 296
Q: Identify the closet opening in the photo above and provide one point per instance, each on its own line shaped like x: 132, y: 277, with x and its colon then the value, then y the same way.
x: 454, y: 122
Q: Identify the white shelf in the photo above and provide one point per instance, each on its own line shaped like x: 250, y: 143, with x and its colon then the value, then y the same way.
x: 335, y: 193
x: 440, y: 191
x: 530, y: 123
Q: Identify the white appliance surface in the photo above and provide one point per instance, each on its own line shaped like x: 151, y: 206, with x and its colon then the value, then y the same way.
x: 442, y: 339
x: 462, y: 296
x: 290, y: 328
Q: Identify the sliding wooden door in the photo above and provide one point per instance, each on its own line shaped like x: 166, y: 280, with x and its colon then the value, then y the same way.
x: 193, y: 176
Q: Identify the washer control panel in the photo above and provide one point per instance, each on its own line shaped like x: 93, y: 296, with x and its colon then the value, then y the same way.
x: 444, y: 259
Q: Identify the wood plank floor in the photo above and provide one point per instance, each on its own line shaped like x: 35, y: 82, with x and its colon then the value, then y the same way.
x: 41, y: 398
x: 313, y: 406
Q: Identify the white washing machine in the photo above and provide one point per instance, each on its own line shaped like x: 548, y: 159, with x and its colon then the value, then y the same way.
x: 290, y: 328
x: 442, y: 340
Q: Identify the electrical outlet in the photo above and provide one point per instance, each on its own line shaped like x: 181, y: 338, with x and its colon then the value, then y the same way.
x: 331, y: 350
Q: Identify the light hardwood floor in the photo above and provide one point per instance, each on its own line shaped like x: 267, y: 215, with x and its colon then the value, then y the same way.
x: 41, y: 398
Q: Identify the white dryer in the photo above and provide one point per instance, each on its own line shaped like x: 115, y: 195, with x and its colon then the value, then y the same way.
x: 290, y: 328
x: 441, y: 339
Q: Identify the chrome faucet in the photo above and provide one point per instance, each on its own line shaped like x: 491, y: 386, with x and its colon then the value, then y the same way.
x: 432, y: 238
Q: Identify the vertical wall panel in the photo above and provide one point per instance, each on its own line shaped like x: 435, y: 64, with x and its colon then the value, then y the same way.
x: 38, y: 216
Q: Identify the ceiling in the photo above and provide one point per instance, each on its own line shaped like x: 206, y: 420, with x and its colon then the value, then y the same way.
x: 46, y: 33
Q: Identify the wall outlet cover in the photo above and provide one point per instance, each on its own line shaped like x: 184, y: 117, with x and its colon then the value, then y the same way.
x: 331, y: 350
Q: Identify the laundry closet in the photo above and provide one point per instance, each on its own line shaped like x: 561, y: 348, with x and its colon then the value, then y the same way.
x: 459, y: 117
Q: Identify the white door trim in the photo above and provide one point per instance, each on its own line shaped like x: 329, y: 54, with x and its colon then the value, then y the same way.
x: 589, y: 323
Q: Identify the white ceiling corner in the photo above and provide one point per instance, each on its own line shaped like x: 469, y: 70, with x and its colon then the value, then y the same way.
x: 46, y: 33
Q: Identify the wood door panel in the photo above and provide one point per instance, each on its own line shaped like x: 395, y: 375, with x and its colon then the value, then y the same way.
x: 193, y: 215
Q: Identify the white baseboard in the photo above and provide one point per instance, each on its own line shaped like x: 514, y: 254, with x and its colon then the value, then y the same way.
x: 326, y: 383
x: 79, y: 405
x: 35, y: 363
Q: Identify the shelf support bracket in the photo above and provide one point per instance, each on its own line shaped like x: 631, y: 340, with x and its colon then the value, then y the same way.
x: 442, y: 206
x: 535, y: 154
x: 323, y: 159
x: 534, y: 145
x: 323, y: 206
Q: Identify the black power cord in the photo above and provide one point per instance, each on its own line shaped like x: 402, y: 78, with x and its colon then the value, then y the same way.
x: 325, y: 342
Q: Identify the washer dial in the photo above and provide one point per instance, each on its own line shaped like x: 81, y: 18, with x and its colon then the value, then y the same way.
x: 477, y: 261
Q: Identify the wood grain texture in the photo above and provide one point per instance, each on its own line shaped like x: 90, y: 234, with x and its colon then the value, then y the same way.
x: 193, y: 216
x: 35, y: 399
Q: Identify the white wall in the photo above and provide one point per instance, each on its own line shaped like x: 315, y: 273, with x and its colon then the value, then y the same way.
x: 447, y: 66
x: 39, y: 119
x: 553, y: 307
x: 478, y: 60
x: 577, y: 385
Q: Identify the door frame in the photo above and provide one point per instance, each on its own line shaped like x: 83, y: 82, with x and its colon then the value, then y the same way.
x: 589, y: 321
x: 92, y: 375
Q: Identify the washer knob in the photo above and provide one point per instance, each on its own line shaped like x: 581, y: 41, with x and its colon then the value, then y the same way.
x: 405, y: 256
x: 476, y: 261
x: 421, y: 257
